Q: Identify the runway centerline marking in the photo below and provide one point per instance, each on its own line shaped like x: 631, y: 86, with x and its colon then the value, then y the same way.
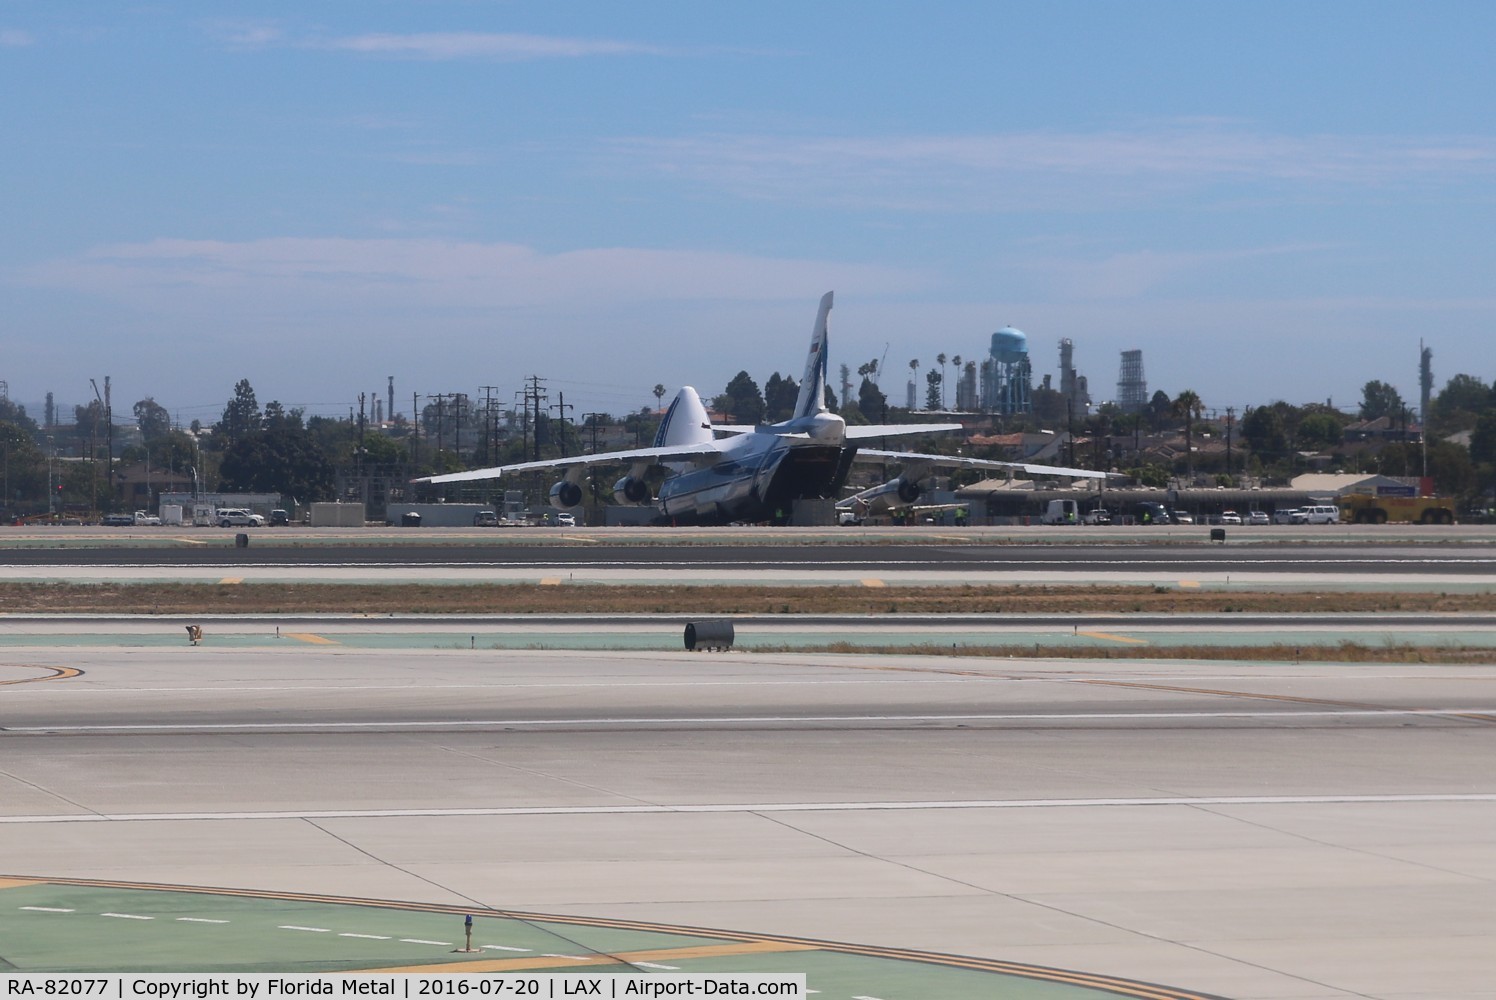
x: 1346, y: 712
x: 768, y: 807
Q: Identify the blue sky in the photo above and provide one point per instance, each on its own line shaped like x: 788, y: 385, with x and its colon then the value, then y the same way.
x: 1271, y: 200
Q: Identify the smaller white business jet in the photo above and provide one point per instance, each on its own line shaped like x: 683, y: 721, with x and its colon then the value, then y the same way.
x: 756, y: 473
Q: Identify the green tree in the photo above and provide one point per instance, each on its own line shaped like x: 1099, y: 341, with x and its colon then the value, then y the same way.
x: 1262, y: 429
x: 1483, y: 438
x: 1187, y: 405
x: 152, y: 418
x: 1158, y: 409
x: 1461, y: 402
x: 241, y: 415
x: 1378, y: 399
x: 933, y: 379
x: 780, y: 396
x: 286, y: 460
x: 23, y: 467
x: 1318, y: 431
x: 742, y: 400
x: 871, y: 401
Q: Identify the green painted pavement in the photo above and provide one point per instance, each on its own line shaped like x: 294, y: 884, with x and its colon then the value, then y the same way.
x: 55, y: 927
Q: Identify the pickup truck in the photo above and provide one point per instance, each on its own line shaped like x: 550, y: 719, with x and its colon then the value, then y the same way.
x: 144, y: 517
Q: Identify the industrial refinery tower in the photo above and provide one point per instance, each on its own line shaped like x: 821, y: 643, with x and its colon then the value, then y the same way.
x: 1132, y: 387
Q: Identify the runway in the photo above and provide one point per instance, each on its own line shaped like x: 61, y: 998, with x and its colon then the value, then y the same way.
x: 1240, y: 830
x: 1284, y: 568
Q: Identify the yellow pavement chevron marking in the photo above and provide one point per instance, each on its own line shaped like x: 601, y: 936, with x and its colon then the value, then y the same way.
x: 550, y: 581
x: 320, y: 640
x: 1114, y: 638
x: 1189, y: 583
x: 232, y: 579
x: 52, y: 674
x: 654, y: 955
x: 16, y: 883
x: 873, y: 582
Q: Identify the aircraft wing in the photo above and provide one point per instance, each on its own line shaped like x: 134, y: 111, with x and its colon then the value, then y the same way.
x: 861, y: 432
x: 654, y: 456
x: 959, y: 462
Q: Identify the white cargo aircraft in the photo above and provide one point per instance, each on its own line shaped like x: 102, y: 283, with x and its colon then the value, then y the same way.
x: 757, y: 473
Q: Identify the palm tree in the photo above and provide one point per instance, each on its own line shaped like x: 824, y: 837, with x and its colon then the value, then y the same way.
x: 1187, y: 405
x: 659, y: 391
x: 914, y: 377
x: 940, y: 360
x: 956, y: 364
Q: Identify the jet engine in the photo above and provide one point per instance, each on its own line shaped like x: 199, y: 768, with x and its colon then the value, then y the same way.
x: 565, y: 494
x: 631, y: 489
x: 909, y: 490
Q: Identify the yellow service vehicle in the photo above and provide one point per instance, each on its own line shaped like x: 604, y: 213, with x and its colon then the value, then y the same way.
x: 1363, y: 508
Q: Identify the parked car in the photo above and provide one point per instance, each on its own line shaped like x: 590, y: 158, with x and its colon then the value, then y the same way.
x: 486, y: 519
x: 280, y: 518
x: 1290, y: 516
x: 118, y: 520
x: 1098, y: 516
x: 1258, y: 517
x: 1230, y: 517
x: 145, y: 517
x: 1150, y: 512
x: 1322, y: 514
x: 1180, y: 517
x: 237, y: 517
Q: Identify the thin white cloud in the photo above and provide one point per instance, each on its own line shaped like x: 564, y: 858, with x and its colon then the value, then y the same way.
x: 16, y: 38
x: 246, y: 34
x: 1042, y: 170
x: 1132, y: 274
x: 342, y: 274
x: 485, y: 45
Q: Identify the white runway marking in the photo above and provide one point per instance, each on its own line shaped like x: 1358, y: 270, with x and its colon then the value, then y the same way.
x: 48, y: 909
x: 126, y: 916
x: 1286, y: 713
x: 762, y: 807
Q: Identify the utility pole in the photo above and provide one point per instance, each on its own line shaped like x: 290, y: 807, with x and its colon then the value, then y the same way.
x: 488, y: 391
x: 591, y: 420
x: 1230, y: 422
x: 561, y: 409
x: 415, y: 427
x: 534, y: 395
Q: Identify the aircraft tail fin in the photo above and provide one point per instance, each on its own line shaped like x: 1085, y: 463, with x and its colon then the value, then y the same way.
x: 685, y: 422
x: 812, y: 399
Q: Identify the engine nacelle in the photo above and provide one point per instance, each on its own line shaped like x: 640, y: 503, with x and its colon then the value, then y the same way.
x: 631, y: 489
x: 565, y: 494
x: 909, y: 490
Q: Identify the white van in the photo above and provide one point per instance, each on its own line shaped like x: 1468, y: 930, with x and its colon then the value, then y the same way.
x: 1321, y: 514
x: 1061, y: 512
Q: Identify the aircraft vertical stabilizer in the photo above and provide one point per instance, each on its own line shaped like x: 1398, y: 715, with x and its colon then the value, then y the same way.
x: 685, y: 422
x: 812, y: 399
